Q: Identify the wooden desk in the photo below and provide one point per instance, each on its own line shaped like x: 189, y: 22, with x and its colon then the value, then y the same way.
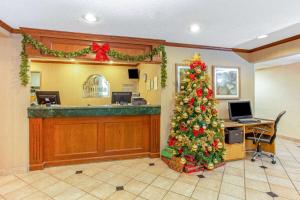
x: 238, y: 151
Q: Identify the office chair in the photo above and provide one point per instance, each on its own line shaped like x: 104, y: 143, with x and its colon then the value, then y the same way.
x: 259, y: 137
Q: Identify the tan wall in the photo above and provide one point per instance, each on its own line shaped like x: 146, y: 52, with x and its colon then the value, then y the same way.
x: 277, y: 89
x: 13, y: 103
x: 152, y: 70
x: 177, y: 55
x: 68, y: 79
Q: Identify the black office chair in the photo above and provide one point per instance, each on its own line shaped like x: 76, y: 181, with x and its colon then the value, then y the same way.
x: 259, y: 137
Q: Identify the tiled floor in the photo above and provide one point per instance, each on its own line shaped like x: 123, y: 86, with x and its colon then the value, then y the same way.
x: 237, y: 180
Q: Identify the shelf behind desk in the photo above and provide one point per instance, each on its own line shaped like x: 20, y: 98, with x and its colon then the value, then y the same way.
x: 238, y: 151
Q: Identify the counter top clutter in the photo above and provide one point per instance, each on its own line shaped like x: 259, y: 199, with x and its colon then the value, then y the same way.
x: 86, y: 111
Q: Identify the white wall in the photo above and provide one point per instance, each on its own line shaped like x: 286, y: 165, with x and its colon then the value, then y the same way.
x: 210, y: 57
x: 278, y: 89
x: 13, y: 103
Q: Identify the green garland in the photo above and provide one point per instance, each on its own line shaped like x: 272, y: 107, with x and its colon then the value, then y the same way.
x: 24, y: 67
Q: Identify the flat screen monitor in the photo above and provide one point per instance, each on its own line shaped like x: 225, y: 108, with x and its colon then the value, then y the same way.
x: 239, y: 110
x: 47, y: 97
x: 133, y: 73
x: 121, y: 97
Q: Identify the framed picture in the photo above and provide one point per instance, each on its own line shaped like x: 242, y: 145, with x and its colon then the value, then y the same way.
x: 179, y: 73
x: 226, y: 82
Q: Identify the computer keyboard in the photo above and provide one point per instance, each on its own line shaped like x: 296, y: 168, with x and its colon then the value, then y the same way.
x: 248, y: 121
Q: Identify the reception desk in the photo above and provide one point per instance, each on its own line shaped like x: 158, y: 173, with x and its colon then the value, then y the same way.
x: 69, y: 135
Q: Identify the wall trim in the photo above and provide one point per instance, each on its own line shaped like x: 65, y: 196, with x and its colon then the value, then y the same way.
x: 158, y: 41
x: 289, y: 138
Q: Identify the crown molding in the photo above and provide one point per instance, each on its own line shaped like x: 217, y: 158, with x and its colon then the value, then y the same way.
x: 137, y: 40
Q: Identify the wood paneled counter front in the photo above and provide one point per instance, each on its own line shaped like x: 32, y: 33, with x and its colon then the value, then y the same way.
x: 68, y: 135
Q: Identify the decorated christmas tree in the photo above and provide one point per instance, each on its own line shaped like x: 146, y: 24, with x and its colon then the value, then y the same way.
x: 196, y: 137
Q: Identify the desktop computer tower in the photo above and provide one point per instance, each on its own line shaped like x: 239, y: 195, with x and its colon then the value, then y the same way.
x: 234, y: 135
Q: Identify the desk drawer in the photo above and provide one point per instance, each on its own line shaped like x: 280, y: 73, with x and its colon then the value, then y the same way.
x: 234, y: 151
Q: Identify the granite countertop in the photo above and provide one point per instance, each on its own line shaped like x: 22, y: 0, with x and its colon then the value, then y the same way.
x: 90, y: 111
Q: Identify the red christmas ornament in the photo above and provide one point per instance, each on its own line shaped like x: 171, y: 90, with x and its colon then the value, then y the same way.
x: 191, y: 101
x: 206, y: 153
x: 192, y: 77
x: 203, y: 108
x: 183, y: 127
x: 101, y: 51
x: 180, y: 150
x: 215, y: 144
x: 209, y: 93
x: 203, y: 66
x: 196, y: 133
x: 201, y: 130
x: 172, y: 141
x: 199, y: 92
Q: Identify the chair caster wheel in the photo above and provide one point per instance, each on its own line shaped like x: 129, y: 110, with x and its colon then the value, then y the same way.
x: 252, y: 159
x: 273, y: 162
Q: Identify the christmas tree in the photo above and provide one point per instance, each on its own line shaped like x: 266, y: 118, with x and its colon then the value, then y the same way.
x: 195, y: 127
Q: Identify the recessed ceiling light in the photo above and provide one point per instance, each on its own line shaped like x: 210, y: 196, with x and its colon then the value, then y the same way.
x: 90, y: 18
x: 262, y: 36
x: 194, y: 28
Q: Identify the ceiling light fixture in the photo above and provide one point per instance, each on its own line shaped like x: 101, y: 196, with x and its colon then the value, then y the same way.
x: 262, y: 36
x: 90, y: 18
x: 194, y: 28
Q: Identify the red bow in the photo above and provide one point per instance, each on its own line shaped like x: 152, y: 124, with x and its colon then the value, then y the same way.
x: 171, y: 141
x: 199, y: 92
x: 191, y: 102
x: 192, y: 77
x: 101, y: 51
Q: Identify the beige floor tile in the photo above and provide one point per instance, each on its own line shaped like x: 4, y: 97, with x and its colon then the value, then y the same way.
x: 228, y: 197
x: 118, y: 180
x: 139, y: 198
x: 232, y: 190
x: 116, y: 169
x: 135, y: 187
x: 213, y: 175
x: 92, y: 171
x: 145, y: 177
x: 141, y: 166
x: 153, y: 193
x: 297, y: 184
x: 37, y: 196
x: 236, y: 164
x: 276, y: 173
x: 280, y: 181
x: 131, y: 172
x: 122, y: 195
x: 88, y: 197
x: 43, y: 183
x: 257, y: 185
x: 32, y: 176
x: 209, y: 184
x: 204, y: 194
x: 157, y: 170
x: 256, y: 176
x: 254, y: 194
x: 235, y: 180
x: 103, y: 191
x: 20, y: 193
x: 83, y: 182
x: 285, y: 192
x: 162, y: 182
x: 169, y: 173
x: 188, y: 178
x: 294, y: 176
x: 174, y: 196
x: 104, y: 175
x: 57, y: 188
x: 183, y: 188
x: 70, y: 194
x: 6, y: 179
x: 234, y: 171
x: 63, y: 174
x: 11, y: 186
x: 103, y: 165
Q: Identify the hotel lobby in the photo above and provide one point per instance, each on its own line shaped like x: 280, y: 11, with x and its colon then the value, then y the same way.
x: 149, y: 100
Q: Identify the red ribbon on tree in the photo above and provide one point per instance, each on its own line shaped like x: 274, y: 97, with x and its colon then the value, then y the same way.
x: 101, y: 51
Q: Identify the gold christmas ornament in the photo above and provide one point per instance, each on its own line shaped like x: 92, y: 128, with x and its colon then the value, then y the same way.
x: 182, y: 87
x: 179, y: 138
x: 173, y: 124
x: 187, y: 72
x: 179, y: 109
x: 207, y: 120
x: 198, y: 70
x: 204, y: 127
x: 214, y: 124
x: 196, y: 127
x: 220, y: 145
x: 210, y: 166
x: 183, y: 161
x: 190, y: 89
x: 194, y: 147
x: 202, y: 78
x: 222, y: 125
x: 204, y: 100
x: 178, y: 118
x: 185, y: 115
x: 209, y: 148
x: 197, y: 109
x: 194, y: 85
x: 181, y: 103
x: 188, y: 121
x: 215, y: 161
x: 185, y: 100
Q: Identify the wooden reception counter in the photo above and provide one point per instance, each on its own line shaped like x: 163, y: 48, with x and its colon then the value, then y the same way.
x: 69, y: 135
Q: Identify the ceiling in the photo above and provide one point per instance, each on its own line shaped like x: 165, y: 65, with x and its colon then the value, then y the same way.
x: 278, y: 61
x: 223, y: 23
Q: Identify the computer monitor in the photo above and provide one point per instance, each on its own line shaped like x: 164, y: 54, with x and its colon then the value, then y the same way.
x: 239, y: 110
x: 121, y: 97
x: 47, y: 97
x: 133, y: 73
